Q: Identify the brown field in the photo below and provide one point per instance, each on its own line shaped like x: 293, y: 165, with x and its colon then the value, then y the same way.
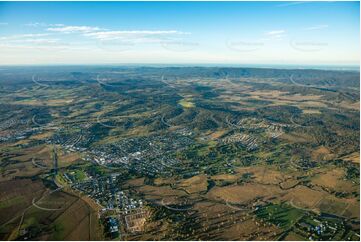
x: 154, y: 192
x: 28, y: 162
x: 354, y: 157
x: 20, y: 169
x: 67, y: 219
x: 51, y: 103
x: 208, y: 209
x: 138, y: 131
x: 96, y: 229
x: 350, y: 105
x: 243, y: 194
x: 33, y: 161
x: 303, y: 197
x: 75, y: 221
x: 311, y: 111
x: 263, y: 174
x: 221, y: 222
x: 225, y: 177
x: 296, y: 137
x: 194, y: 184
x: 80, y: 231
x: 353, y: 209
x: 311, y: 104
x: 16, y: 196
x: 217, y: 134
x: 268, y: 94
x: 38, y: 217
x: 293, y: 237
x: 70, y: 219
x: 334, y: 180
x: 163, y: 181
x: 322, y: 153
x: 41, y: 136
x: 342, y: 207
x: 136, y: 182
x: 39, y: 152
x: 68, y: 159
x: 42, y: 152
x: 287, y: 184
x: 253, y: 229
x: 306, y: 102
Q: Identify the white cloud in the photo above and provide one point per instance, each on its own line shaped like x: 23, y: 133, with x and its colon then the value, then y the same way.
x: 124, y: 36
x: 30, y: 41
x: 38, y: 24
x: 275, y: 35
x: 290, y: 4
x: 131, y: 37
x: 35, y: 24
x: 74, y: 29
x: 37, y: 41
x: 22, y: 36
x: 35, y: 48
x: 133, y: 34
x: 275, y: 32
x: 317, y: 27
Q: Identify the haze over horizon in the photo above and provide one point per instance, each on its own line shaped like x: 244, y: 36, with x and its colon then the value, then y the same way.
x: 231, y: 33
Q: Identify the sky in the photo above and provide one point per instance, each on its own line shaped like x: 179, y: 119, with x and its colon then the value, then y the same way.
x: 294, y: 33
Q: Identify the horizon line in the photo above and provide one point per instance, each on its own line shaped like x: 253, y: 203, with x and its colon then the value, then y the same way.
x: 339, y: 67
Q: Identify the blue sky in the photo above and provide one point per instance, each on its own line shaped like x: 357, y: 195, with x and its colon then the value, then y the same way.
x: 312, y: 33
